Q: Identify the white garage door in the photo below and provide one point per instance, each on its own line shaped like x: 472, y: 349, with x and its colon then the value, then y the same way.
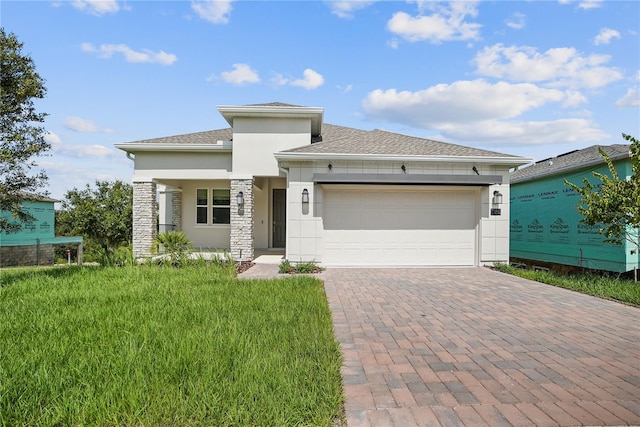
x: 425, y: 226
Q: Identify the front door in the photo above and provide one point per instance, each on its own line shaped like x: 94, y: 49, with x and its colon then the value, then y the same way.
x: 279, y: 218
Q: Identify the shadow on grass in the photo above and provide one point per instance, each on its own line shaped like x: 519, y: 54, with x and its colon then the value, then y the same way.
x: 13, y: 275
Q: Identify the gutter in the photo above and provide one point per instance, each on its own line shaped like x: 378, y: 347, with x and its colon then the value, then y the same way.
x: 225, y: 146
x: 512, y: 161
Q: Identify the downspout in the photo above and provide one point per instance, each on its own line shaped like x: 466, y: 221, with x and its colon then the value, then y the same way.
x: 129, y: 156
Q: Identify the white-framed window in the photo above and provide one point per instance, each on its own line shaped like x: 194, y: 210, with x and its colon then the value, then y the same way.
x: 213, y: 206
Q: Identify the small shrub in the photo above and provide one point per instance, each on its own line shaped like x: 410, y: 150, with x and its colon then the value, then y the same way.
x: 299, y: 268
x: 174, y: 245
x: 285, y: 267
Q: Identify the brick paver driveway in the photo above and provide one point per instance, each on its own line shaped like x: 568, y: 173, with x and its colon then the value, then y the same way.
x: 475, y: 347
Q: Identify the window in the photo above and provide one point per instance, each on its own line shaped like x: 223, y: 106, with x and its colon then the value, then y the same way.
x: 202, y: 205
x: 219, y: 204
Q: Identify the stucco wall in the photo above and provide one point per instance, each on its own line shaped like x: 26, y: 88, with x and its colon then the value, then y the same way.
x: 256, y: 139
x: 173, y: 166
x: 215, y: 236
x: 305, y: 226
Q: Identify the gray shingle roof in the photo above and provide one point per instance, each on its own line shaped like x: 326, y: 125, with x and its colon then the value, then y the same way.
x: 571, y: 160
x: 206, y: 137
x: 345, y: 140
x: 342, y: 140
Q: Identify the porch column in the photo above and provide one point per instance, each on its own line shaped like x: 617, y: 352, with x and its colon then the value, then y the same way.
x: 145, y: 213
x: 242, y: 220
x: 176, y: 209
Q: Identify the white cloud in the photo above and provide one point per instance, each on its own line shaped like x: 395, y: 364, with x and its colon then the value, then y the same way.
x: 78, y: 124
x: 52, y: 139
x: 96, y: 7
x: 584, y: 4
x: 445, y: 24
x: 480, y: 111
x: 605, y: 36
x: 508, y: 133
x: 310, y: 80
x: 346, y: 8
x: 459, y: 102
x: 106, y: 51
x: 517, y: 21
x: 631, y: 99
x: 241, y: 74
x: 214, y: 11
x: 556, y: 67
x: 590, y: 4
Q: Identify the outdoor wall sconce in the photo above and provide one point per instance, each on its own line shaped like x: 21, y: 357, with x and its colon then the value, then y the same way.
x: 240, y: 198
x: 330, y: 167
x: 475, y: 169
x: 497, y: 198
x: 305, y: 196
x: 496, y: 201
x: 404, y: 168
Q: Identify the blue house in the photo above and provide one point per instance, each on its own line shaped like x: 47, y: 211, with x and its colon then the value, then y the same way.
x: 34, y: 243
x: 545, y: 228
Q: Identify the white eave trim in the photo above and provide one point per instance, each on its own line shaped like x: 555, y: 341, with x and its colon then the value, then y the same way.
x: 225, y: 146
x: 511, y: 161
x: 316, y: 114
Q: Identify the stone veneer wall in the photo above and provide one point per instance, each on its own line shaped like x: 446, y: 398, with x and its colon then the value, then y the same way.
x: 11, y: 256
x: 242, y: 220
x: 176, y: 209
x: 145, y: 214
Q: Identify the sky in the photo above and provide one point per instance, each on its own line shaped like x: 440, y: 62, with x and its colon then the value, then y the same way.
x: 529, y: 78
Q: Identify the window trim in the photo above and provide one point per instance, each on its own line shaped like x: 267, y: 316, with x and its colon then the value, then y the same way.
x: 210, y: 207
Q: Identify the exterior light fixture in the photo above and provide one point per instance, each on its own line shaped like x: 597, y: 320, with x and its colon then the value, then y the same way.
x: 497, y: 198
x: 496, y: 201
x: 330, y: 167
x: 305, y: 196
x: 404, y: 168
x: 240, y: 198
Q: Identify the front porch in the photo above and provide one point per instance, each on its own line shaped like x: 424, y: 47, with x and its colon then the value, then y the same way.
x: 245, y: 218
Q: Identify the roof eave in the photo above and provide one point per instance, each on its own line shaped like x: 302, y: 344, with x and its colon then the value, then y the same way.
x: 510, y: 161
x: 129, y: 147
x: 316, y: 114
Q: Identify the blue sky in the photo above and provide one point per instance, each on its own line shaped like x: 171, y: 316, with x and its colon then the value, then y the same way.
x: 534, y: 78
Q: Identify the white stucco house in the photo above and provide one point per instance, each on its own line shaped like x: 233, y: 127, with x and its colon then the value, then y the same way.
x: 281, y: 178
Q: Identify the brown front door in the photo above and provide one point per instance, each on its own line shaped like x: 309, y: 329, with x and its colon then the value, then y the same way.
x: 279, y: 218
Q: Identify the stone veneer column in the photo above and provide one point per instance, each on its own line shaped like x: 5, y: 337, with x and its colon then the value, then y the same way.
x: 145, y: 213
x: 242, y: 220
x: 176, y: 209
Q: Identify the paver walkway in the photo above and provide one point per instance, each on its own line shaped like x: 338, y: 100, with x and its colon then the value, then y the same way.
x: 474, y: 347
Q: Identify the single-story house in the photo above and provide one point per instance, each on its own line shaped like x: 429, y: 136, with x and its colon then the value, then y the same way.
x: 33, y: 244
x: 279, y: 177
x: 545, y: 225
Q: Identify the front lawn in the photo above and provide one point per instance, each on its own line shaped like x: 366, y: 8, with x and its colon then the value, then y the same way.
x: 622, y: 290
x: 165, y: 346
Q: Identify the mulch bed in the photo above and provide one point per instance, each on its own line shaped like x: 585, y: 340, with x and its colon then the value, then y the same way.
x: 242, y: 266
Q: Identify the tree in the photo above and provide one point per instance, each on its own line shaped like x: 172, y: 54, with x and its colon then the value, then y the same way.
x: 614, y: 204
x: 102, y: 214
x: 21, y: 132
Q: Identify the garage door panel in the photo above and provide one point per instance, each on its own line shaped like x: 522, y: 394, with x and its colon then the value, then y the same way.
x: 399, y: 227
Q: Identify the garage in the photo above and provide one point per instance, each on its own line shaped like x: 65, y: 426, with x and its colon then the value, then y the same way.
x: 396, y: 225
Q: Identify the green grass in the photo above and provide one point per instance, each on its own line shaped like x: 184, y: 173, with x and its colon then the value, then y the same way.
x: 625, y: 291
x: 149, y: 346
